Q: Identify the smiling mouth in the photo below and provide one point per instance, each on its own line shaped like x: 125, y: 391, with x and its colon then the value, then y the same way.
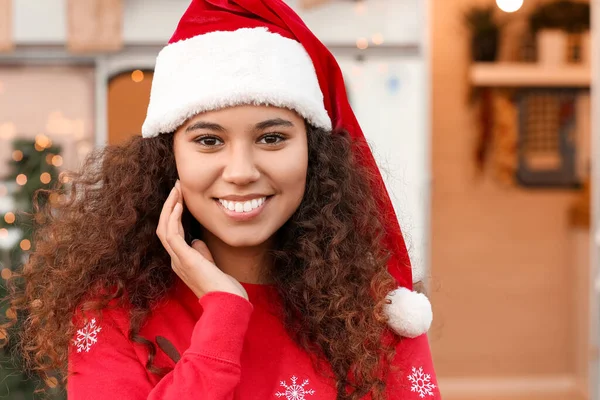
x: 243, y: 207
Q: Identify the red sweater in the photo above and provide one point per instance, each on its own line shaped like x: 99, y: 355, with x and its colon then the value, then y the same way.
x: 220, y: 347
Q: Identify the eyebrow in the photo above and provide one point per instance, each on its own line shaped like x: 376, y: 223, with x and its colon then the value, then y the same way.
x: 205, y: 125
x: 269, y: 123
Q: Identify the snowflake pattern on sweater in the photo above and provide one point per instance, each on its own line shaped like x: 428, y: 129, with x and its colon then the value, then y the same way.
x: 421, y: 382
x: 87, y: 336
x: 295, y: 391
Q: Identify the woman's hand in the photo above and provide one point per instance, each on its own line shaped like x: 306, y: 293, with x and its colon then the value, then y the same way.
x: 194, y: 265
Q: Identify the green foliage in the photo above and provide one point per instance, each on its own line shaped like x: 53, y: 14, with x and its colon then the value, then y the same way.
x: 565, y: 15
x: 481, y: 20
x: 15, y: 384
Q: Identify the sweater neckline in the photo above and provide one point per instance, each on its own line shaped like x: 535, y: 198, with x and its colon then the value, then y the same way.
x: 258, y: 294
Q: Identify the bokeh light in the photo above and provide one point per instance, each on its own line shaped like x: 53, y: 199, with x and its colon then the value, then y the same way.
x: 25, y: 244
x: 11, y: 314
x: 43, y: 141
x: 509, y: 5
x: 21, y: 179
x: 137, y: 76
x: 57, y: 161
x: 45, y: 178
x: 362, y: 43
x: 9, y: 217
x: 377, y: 39
x: 6, y: 273
x: 53, y: 198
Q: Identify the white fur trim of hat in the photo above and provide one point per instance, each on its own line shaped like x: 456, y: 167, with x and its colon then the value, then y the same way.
x: 228, y: 68
x: 409, y: 313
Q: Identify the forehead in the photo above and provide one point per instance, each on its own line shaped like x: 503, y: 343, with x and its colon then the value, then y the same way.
x: 246, y: 116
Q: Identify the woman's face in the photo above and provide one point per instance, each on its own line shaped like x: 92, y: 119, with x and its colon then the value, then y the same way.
x: 242, y: 170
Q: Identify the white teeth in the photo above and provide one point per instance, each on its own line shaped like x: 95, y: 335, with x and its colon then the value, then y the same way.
x: 241, y: 207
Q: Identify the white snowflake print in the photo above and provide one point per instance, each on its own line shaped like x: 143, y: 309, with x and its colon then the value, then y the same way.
x: 295, y: 391
x: 421, y: 383
x: 87, y: 336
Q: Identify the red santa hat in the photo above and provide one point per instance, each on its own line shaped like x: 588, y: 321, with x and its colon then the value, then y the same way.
x: 233, y: 52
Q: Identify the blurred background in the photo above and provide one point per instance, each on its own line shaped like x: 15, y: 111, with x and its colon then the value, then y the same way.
x: 481, y: 117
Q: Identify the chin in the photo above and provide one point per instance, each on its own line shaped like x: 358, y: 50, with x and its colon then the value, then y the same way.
x: 243, y: 240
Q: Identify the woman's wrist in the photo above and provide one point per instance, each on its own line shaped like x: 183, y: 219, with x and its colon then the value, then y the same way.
x: 221, y: 330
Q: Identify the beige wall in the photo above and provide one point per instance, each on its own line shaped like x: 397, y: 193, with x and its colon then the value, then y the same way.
x: 503, y: 259
x: 54, y: 100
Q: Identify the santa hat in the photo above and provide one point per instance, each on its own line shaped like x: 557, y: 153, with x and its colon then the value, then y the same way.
x: 232, y: 52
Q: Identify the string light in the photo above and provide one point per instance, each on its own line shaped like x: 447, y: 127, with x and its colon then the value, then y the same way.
x: 9, y: 217
x: 6, y: 273
x: 49, y: 158
x: 21, y: 179
x: 38, y: 147
x: 53, y: 198
x: 509, y: 6
x: 10, y: 313
x: 137, y: 76
x: 377, y: 39
x: 43, y: 141
x: 17, y: 155
x: 57, y: 161
x: 25, y: 244
x: 362, y: 43
x: 45, y: 178
x: 3, y: 233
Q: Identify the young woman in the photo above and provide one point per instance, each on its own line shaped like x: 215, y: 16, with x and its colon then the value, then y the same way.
x: 243, y: 248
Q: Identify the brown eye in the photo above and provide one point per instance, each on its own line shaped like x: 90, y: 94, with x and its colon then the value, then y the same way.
x: 272, y: 139
x: 208, y: 141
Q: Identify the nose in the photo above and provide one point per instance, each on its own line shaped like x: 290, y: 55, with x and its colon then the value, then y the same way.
x: 240, y: 168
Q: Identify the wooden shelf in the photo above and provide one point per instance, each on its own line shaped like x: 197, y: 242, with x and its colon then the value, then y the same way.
x: 529, y: 75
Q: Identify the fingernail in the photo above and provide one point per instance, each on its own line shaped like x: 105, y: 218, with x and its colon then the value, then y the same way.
x: 195, y: 240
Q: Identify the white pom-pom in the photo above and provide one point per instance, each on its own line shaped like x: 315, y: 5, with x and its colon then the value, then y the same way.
x: 409, y: 312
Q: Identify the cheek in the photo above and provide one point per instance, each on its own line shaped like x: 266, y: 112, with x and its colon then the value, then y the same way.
x: 290, y: 174
x: 195, y: 175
